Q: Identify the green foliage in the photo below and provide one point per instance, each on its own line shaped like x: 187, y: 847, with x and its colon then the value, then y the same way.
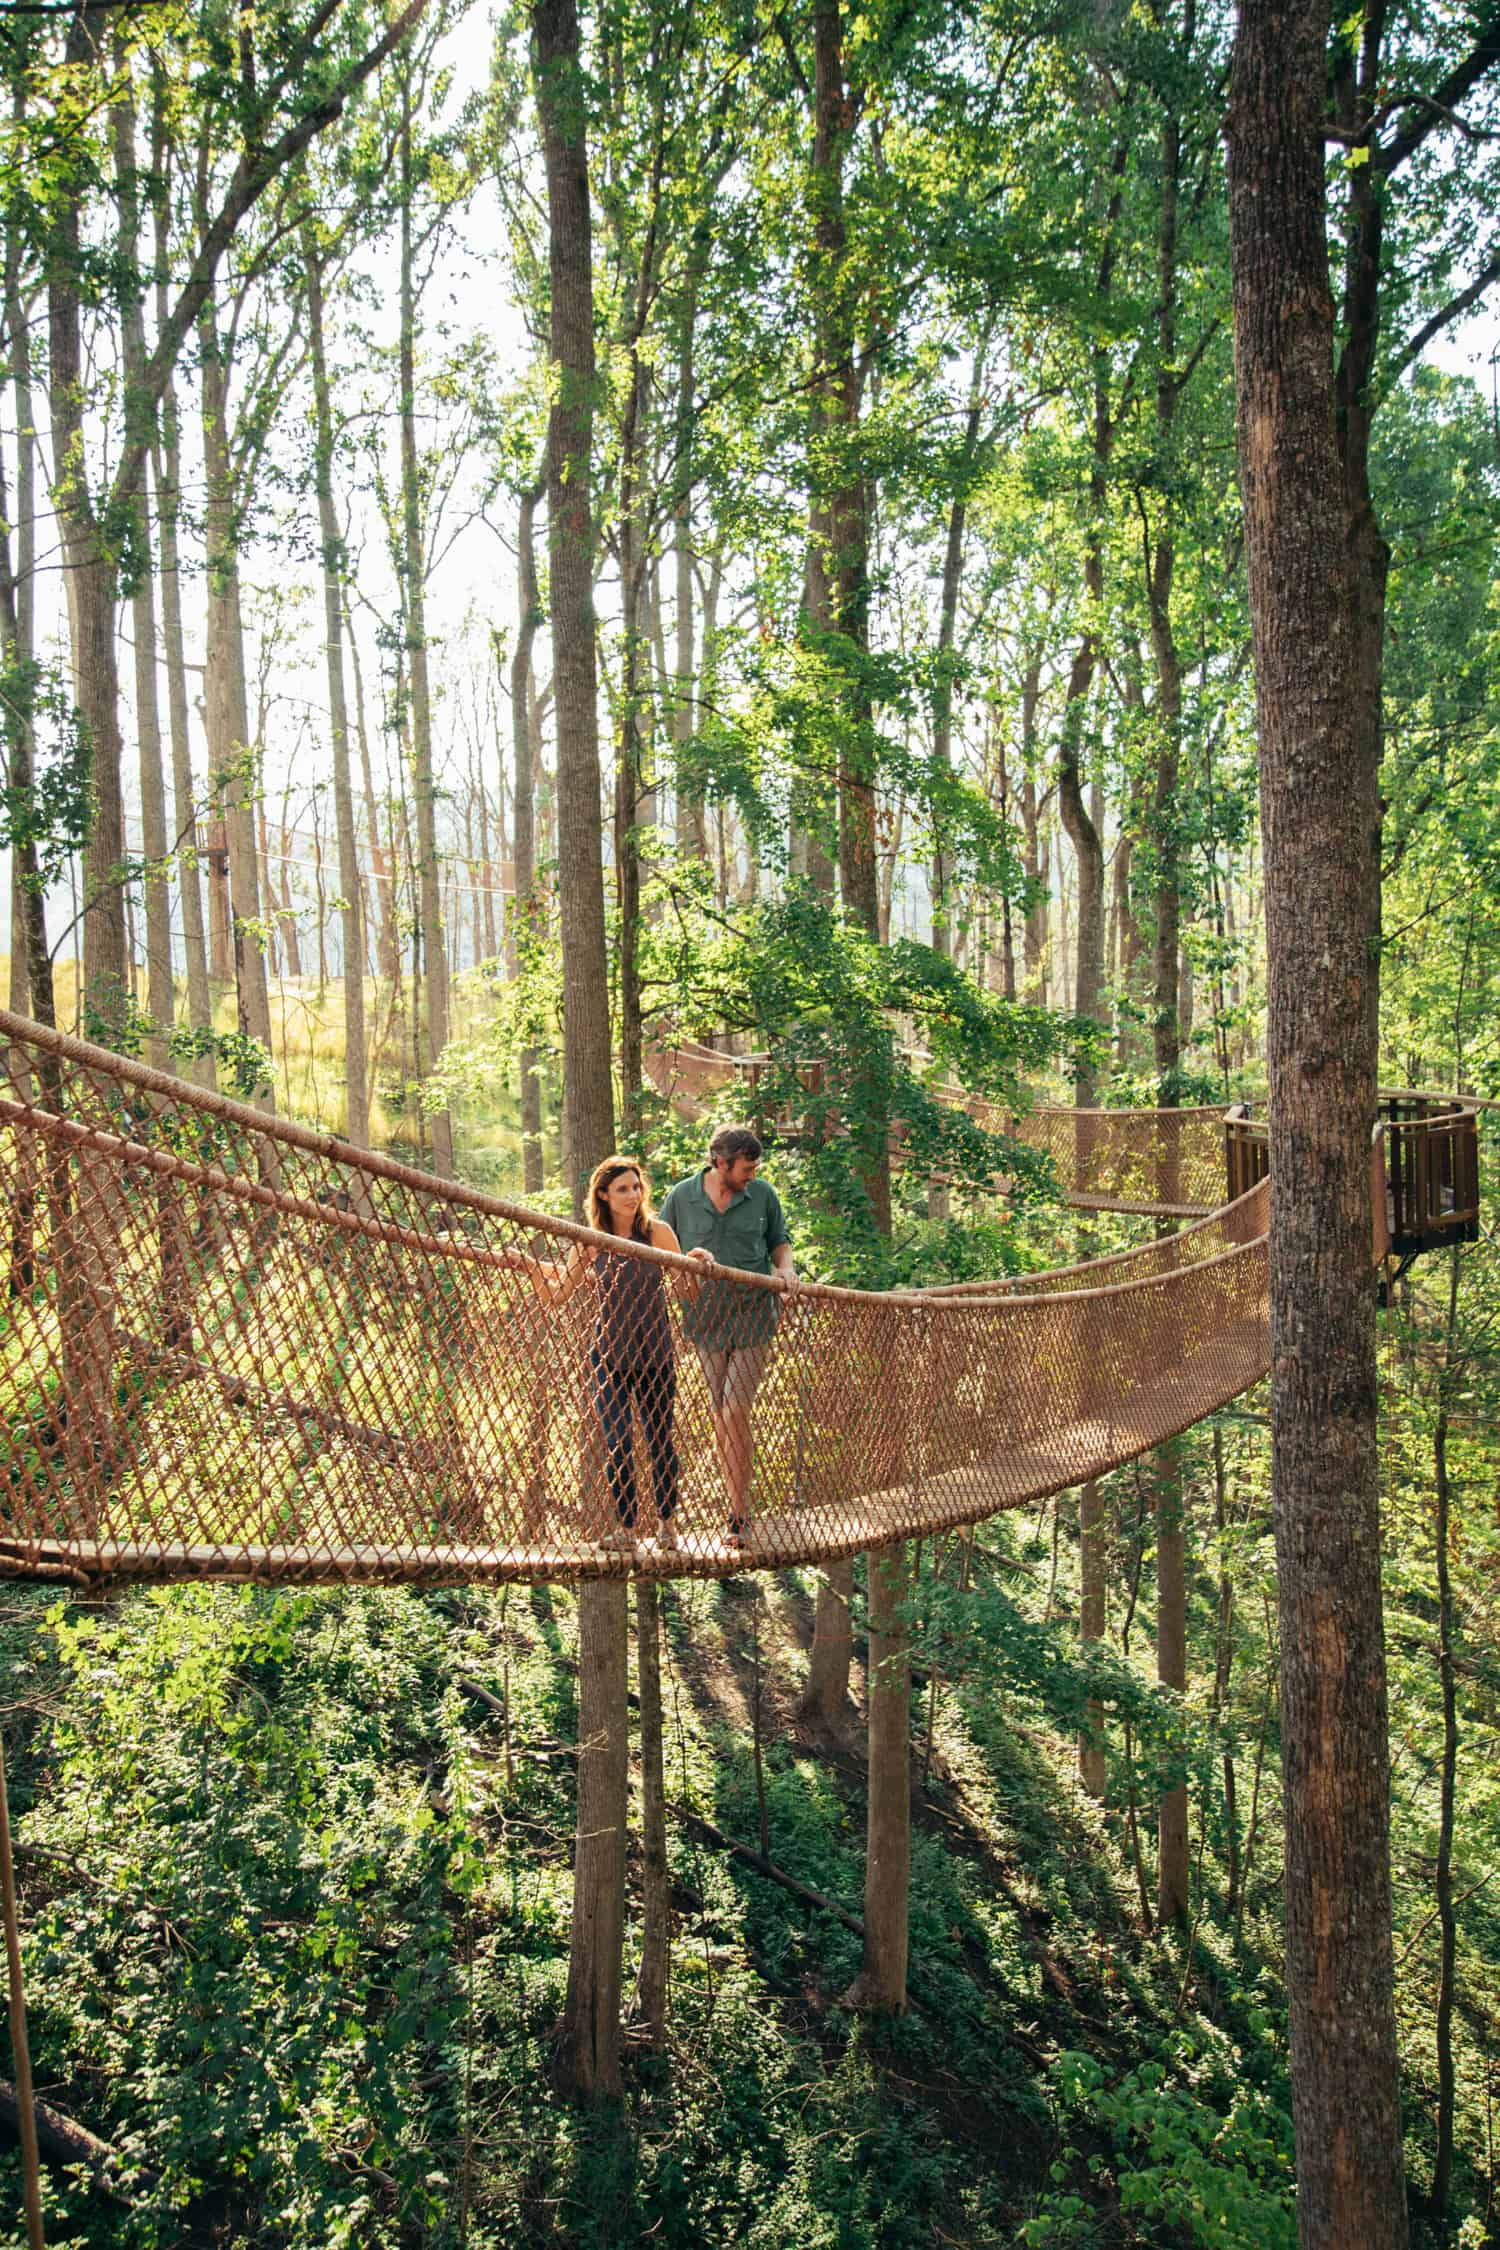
x: 264, y: 1952
x: 1202, y: 2155
x: 831, y: 1005
x: 49, y: 815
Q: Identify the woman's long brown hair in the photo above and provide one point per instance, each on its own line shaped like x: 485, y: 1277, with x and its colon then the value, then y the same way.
x: 596, y: 1203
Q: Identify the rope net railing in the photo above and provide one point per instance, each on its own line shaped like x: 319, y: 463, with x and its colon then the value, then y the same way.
x: 231, y: 1347
x: 1163, y: 1162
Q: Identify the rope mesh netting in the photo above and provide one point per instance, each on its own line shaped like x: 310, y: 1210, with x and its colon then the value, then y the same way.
x: 231, y: 1347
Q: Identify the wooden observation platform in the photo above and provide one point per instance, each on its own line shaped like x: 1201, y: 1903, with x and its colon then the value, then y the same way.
x: 1424, y: 1172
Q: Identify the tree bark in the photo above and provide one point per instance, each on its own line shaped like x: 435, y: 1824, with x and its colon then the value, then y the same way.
x: 692, y: 835
x: 588, y: 1100
x: 1320, y: 820
x: 942, y: 696
x: 630, y: 759
x: 351, y: 890
x: 31, y: 985
x: 1083, y: 832
x: 1442, y: 2162
x: 90, y: 577
x: 232, y: 757
x: 158, y: 900
x: 1171, y: 1672
x: 388, y: 955
x: 413, y: 574
x: 656, y: 1875
x: 824, y: 1702
x: 1092, y: 1619
x: 589, y: 2047
x: 526, y: 907
x: 166, y: 476
x: 881, y: 1983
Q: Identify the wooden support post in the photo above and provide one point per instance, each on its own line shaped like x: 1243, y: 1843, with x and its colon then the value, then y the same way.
x: 20, y: 2046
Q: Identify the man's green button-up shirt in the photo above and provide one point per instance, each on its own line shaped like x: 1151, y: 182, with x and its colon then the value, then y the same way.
x: 722, y: 1318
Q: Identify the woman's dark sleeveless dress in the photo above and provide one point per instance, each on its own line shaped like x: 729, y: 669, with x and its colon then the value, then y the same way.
x: 631, y: 1359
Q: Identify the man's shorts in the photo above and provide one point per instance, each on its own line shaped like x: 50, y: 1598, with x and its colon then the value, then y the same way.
x: 733, y: 1378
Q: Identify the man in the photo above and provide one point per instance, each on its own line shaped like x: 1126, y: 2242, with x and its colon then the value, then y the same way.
x: 725, y: 1216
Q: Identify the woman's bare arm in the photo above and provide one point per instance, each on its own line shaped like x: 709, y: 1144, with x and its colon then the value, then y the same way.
x: 553, y: 1279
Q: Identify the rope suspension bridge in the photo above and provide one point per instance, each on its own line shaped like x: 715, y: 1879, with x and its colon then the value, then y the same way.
x: 235, y: 1348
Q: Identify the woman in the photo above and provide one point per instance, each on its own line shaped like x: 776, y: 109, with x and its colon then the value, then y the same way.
x: 631, y: 1363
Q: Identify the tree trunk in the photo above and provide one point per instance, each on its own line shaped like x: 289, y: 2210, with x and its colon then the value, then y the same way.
x: 31, y: 985
x: 232, y: 757
x: 1171, y: 1672
x: 692, y: 836
x: 1033, y: 856
x: 388, y: 957
x: 1083, y: 832
x: 1320, y: 821
x: 630, y: 755
x: 1442, y: 2163
x: 824, y: 1702
x: 1092, y: 1620
x: 158, y: 898
x: 90, y: 576
x: 588, y: 1100
x: 656, y: 1875
x: 166, y: 476
x: 1223, y: 1667
x: 589, y: 2047
x: 881, y: 1983
x: 942, y: 694
x: 526, y: 908
x: 414, y: 608
x: 351, y: 891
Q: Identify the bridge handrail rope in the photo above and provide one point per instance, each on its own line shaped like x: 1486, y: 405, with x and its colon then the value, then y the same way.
x: 234, y: 1347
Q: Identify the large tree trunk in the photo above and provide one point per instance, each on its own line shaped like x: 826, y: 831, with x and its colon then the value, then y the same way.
x: 232, y: 757
x: 159, y: 996
x: 589, y: 2047
x: 414, y: 607
x: 588, y: 1100
x: 1358, y: 90
x: 656, y: 1875
x: 630, y: 758
x: 825, y: 1695
x: 31, y: 988
x: 942, y: 705
x: 942, y: 693
x: 1171, y: 1671
x: 1320, y: 819
x: 881, y: 1983
x: 1442, y: 2162
x: 526, y: 907
x: 1092, y: 1619
x: 351, y: 889
x: 1161, y: 558
x: 91, y: 580
x: 166, y: 476
x: 692, y: 836
x: 388, y: 957
x: 1083, y: 831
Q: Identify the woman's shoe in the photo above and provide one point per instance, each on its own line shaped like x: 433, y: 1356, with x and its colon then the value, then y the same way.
x: 666, y: 1532
x: 738, y: 1535
x: 621, y: 1541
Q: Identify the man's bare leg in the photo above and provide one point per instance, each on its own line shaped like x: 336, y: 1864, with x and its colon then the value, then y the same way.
x: 732, y: 1436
